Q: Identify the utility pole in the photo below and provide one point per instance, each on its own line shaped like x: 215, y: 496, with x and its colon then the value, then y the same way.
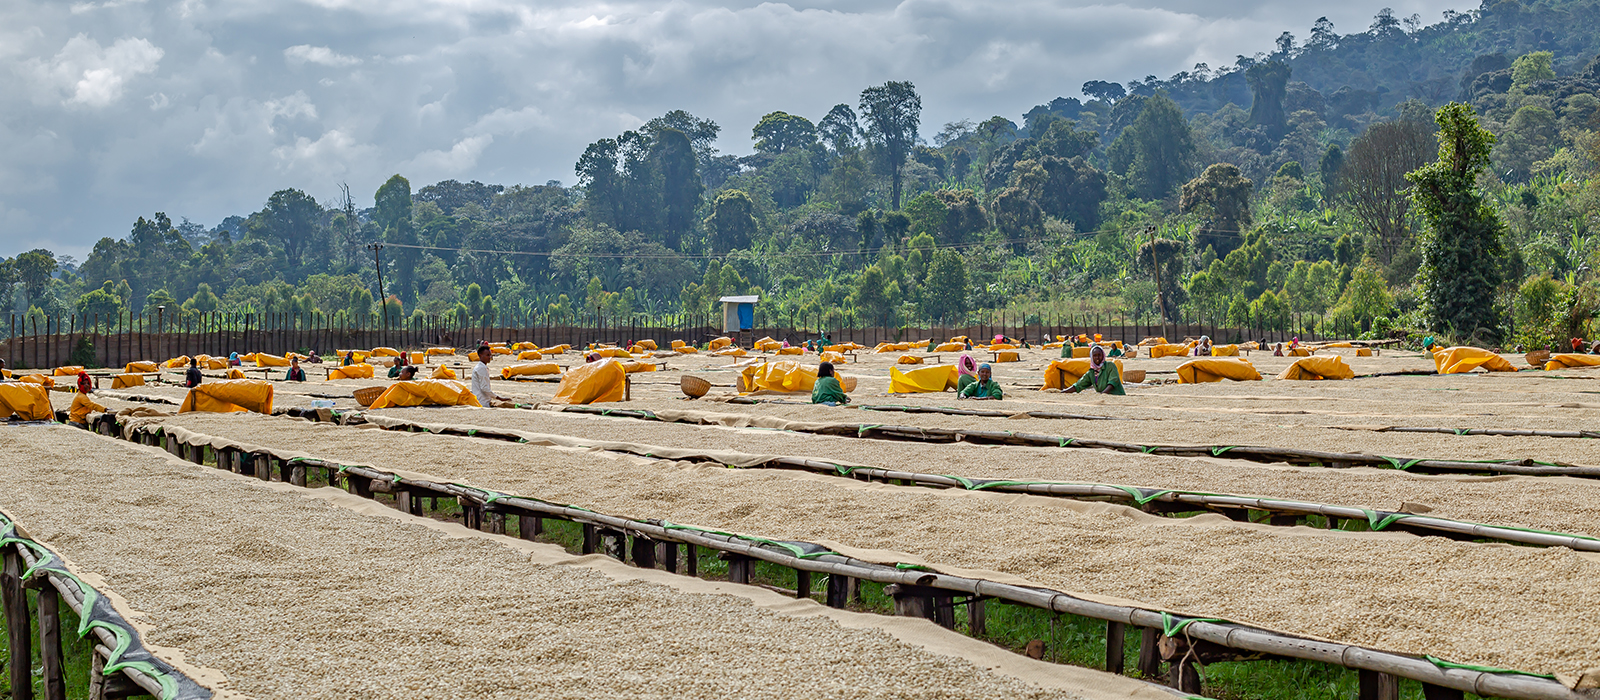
x: 383, y: 306
x: 1155, y: 264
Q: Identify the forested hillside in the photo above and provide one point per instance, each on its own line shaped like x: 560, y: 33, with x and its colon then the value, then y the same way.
x: 1274, y: 186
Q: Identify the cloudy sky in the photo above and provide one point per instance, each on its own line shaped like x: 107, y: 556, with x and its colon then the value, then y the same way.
x: 202, y: 108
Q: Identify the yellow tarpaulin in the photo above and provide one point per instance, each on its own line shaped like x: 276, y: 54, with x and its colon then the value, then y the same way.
x: 731, y: 352
x: 37, y: 379
x: 530, y: 355
x: 418, y: 358
x: 1325, y: 367
x: 1064, y: 373
x: 557, y: 350
x: 123, y: 381
x: 792, y: 351
x: 1363, y: 352
x: 690, y: 350
x: 909, y: 360
x: 215, y: 363
x: 596, y: 382
x: 524, y: 345
x: 786, y: 376
x: 141, y: 367
x: 441, y: 351
x: 351, y: 372
x: 720, y: 343
x: 235, y: 373
x: 833, y: 356
x: 360, y: 356
x: 767, y: 345
x: 950, y: 347
x: 613, y: 352
x: 1224, y: 351
x: 1169, y: 350
x: 179, y: 361
x: 633, y: 366
x: 82, y: 406
x: 499, y: 350
x: 1462, y: 359
x: 648, y: 344
x: 1339, y: 344
x: 1216, y: 369
x: 1002, y: 346
x: 1301, y: 352
x: 534, y: 369
x: 229, y: 396
x: 1568, y: 361
x: 385, y: 352
x: 443, y: 372
x: 269, y: 360
x: 68, y: 371
x: 425, y: 392
x: 1154, y: 341
x: 26, y: 401
x: 922, y: 380
x: 1008, y: 356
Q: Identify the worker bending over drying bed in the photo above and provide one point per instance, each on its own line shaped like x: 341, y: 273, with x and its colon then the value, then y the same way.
x: 82, y: 405
x: 1102, y: 376
x: 985, y: 389
x: 827, y: 389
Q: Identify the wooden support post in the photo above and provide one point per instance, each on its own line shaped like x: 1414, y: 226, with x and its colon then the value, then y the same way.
x: 54, y: 681
x: 496, y: 523
x: 922, y: 601
x: 977, y: 617
x: 529, y: 526
x: 264, y: 468
x: 402, y: 501
x: 1115, y: 658
x: 802, y: 584
x: 591, y: 538
x: 691, y: 560
x: 1439, y: 692
x: 669, y: 556
x: 1149, y: 654
x: 644, y: 552
x: 113, y: 687
x: 615, y: 543
x: 838, y: 591
x: 1378, y: 686
x: 19, y: 629
x: 1184, y: 675
x: 297, y: 474
x: 362, y: 486
x: 739, y: 567
x: 1284, y: 520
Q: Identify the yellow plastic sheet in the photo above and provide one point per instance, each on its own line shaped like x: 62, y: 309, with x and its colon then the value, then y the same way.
x: 786, y: 376
x: 269, y: 360
x: 385, y: 352
x: 68, y: 371
x: 1568, y: 361
x: 1008, y: 356
x: 1154, y: 341
x: 443, y: 372
x: 229, y: 396
x: 720, y: 343
x: 1216, y: 369
x: 235, y: 373
x: 534, y: 369
x: 499, y: 350
x: 596, y: 382
x: 1462, y: 359
x: 791, y: 351
x: 648, y: 344
x: 1363, y: 352
x: 141, y: 367
x: 922, y: 380
x: 418, y: 358
x: 123, y: 381
x: 39, y: 379
x: 1002, y: 346
x: 1315, y: 368
x: 690, y: 350
x: 441, y: 351
x: 909, y: 360
x: 731, y: 352
x: 633, y: 366
x: 524, y: 345
x: 1080, y: 353
x: 530, y: 355
x: 425, y: 392
x: 1224, y: 351
x: 215, y: 363
x: 950, y: 347
x: 833, y: 356
x: 1169, y: 350
x: 1301, y: 352
x: 26, y: 401
x: 351, y: 372
x: 179, y: 361
x: 82, y: 406
x: 557, y: 350
x: 1064, y: 373
x: 360, y: 356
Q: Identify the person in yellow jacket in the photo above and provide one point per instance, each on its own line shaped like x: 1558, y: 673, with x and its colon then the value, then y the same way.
x: 82, y: 405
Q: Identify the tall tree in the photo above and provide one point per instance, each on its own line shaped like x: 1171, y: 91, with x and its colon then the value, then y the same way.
x: 1268, y: 82
x: 602, y: 187
x: 680, y: 185
x: 34, y: 270
x: 1461, y: 252
x: 292, y: 217
x: 732, y: 223
x: 839, y: 129
x: 1222, y: 195
x: 392, y: 214
x: 392, y: 202
x: 1372, y: 181
x: 893, y: 112
x: 945, y: 292
x: 1156, y: 151
x: 780, y: 131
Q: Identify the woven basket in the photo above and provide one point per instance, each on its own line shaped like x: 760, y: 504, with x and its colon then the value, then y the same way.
x: 1133, y: 376
x: 849, y: 383
x: 694, y: 387
x: 365, y: 396
x: 1537, y: 358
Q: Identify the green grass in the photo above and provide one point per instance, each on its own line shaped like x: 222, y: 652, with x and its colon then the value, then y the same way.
x: 76, y: 654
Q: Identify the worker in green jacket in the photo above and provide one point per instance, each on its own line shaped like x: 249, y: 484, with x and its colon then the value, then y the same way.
x: 1102, y: 376
x: 985, y: 388
x: 827, y: 389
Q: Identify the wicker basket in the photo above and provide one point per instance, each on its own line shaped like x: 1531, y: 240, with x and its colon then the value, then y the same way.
x: 694, y: 387
x: 849, y: 383
x: 365, y: 396
x: 1537, y: 358
x: 1133, y: 376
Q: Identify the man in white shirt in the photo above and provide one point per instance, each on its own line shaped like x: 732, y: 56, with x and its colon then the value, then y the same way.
x: 480, y: 378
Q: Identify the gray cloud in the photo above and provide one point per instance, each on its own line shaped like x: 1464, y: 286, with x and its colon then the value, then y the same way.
x: 202, y: 108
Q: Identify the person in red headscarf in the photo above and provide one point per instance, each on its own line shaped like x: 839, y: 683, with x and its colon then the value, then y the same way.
x: 82, y: 405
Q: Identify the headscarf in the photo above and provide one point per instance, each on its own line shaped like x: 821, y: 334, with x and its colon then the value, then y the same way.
x: 85, y: 384
x: 985, y: 366
x: 825, y: 370
x: 1097, y: 356
x: 966, y: 365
